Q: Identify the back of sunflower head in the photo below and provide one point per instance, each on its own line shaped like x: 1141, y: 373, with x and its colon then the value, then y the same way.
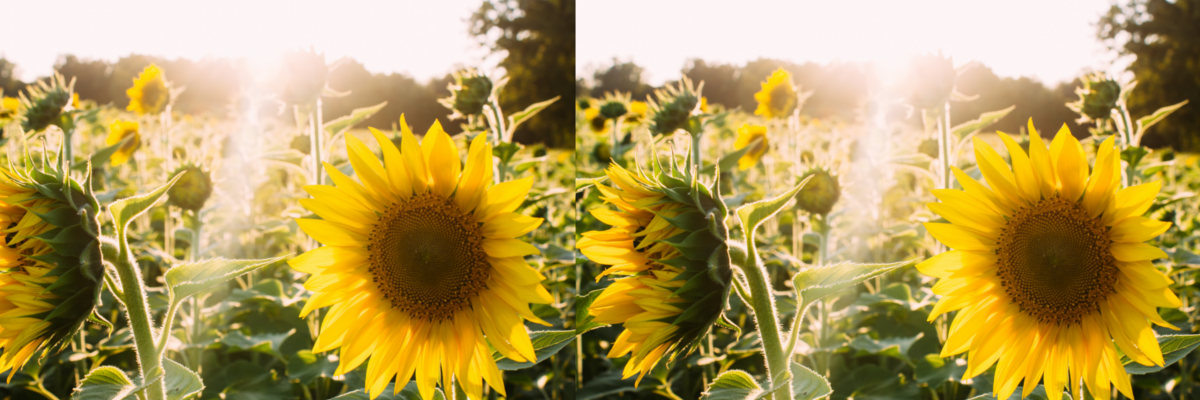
x: 56, y: 246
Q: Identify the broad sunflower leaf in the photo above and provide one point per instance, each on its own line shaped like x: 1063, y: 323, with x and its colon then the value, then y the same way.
x: 733, y: 385
x: 817, y: 283
x: 409, y: 392
x: 127, y: 209
x: 515, y: 119
x: 966, y: 128
x: 306, y: 366
x: 102, y: 156
x: 180, y: 382
x: 729, y: 160
x: 188, y: 279
x: 583, y: 319
x: 1174, y: 348
x: 808, y: 385
x: 104, y: 383
x: 753, y: 214
x: 1146, y: 122
x: 357, y: 115
x: 545, y: 344
x: 607, y: 384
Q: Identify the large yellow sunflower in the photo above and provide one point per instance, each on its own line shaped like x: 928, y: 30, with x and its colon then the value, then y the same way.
x: 1049, y: 269
x: 747, y: 135
x: 421, y: 264
x: 118, y: 131
x: 777, y: 98
x: 149, y: 94
x: 650, y: 301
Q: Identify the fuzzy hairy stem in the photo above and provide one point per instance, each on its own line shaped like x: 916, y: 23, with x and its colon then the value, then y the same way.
x: 763, y: 307
x: 138, y: 311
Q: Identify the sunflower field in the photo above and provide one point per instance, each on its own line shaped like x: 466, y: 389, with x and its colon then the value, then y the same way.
x: 758, y: 253
x: 156, y: 255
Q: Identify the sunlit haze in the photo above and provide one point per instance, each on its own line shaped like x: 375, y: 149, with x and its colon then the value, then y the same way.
x: 1052, y: 41
x: 422, y: 38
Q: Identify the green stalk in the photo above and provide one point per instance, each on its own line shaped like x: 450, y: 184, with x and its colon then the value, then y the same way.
x: 696, y: 160
x: 763, y: 306
x: 197, y: 320
x: 616, y: 139
x: 944, y: 148
x: 138, y: 311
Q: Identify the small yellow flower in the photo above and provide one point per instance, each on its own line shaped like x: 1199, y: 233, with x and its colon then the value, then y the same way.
x: 75, y: 100
x: 703, y: 104
x: 149, y: 94
x: 118, y: 131
x: 10, y: 104
x: 777, y: 98
x: 747, y: 134
x: 597, y: 122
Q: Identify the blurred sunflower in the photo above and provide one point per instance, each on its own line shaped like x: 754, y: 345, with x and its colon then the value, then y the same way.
x: 118, y: 131
x: 9, y: 105
x: 421, y: 264
x: 671, y: 299
x: 637, y: 111
x: 596, y: 122
x: 1049, y: 268
x: 46, y: 290
x: 777, y: 98
x: 747, y: 134
x: 149, y: 94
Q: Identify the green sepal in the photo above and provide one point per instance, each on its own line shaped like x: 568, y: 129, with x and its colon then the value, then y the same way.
x: 69, y: 241
x: 697, y: 245
x: 689, y: 221
x: 61, y: 216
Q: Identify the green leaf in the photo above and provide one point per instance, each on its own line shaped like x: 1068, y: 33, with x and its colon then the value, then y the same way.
x: 545, y: 344
x: 893, y: 347
x: 127, y: 209
x: 815, y: 283
x: 753, y: 214
x: 306, y: 366
x: 733, y: 385
x: 1146, y: 122
x: 102, y: 156
x: 180, y: 382
x: 976, y: 125
x: 517, y: 118
x: 808, y: 385
x: 410, y: 392
x: 104, y: 383
x: 1174, y: 348
x: 358, y: 115
x: 934, y: 370
x: 728, y: 160
x: 1038, y: 393
x: 583, y: 319
x: 188, y: 279
x: 584, y: 183
x: 607, y: 384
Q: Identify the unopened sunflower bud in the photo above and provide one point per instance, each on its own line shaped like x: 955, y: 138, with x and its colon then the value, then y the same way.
x: 931, y: 81
x: 192, y: 189
x: 821, y: 192
x: 468, y: 93
x: 45, y: 104
x: 1097, y: 98
x: 673, y: 106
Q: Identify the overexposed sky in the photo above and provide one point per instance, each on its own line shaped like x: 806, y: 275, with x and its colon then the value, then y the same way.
x: 422, y: 38
x: 1049, y: 40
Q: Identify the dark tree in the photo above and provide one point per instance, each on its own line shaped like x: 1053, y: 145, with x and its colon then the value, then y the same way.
x: 1164, y: 36
x: 622, y: 76
x: 538, y: 37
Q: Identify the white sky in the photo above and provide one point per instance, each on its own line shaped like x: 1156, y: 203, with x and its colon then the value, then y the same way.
x: 1050, y: 40
x: 423, y: 38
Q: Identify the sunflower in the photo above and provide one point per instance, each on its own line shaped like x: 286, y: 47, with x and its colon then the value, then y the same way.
x: 47, y: 290
x: 149, y: 93
x: 671, y: 298
x: 747, y: 134
x: 421, y: 264
x: 777, y: 98
x: 597, y: 122
x: 118, y: 131
x: 1049, y: 268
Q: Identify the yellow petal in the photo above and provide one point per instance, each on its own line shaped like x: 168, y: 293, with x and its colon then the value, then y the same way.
x: 1070, y: 163
x: 1136, y: 252
x: 1138, y: 229
x: 330, y: 233
x: 958, y: 238
x: 1027, y: 180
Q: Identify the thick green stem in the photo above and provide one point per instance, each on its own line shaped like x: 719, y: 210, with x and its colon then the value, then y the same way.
x: 197, y: 320
x: 138, y: 312
x: 945, y: 148
x: 763, y: 304
x: 616, y: 139
x: 696, y: 160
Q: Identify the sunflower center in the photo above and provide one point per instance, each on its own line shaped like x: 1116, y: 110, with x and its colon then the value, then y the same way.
x: 427, y: 257
x: 780, y: 96
x: 1056, y: 262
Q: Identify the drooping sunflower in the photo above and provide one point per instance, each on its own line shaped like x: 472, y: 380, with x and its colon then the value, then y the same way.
x: 747, y: 134
x: 51, y: 262
x: 149, y: 94
x: 421, y: 264
x: 1049, y: 268
x: 118, y: 131
x: 670, y: 298
x: 777, y: 98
